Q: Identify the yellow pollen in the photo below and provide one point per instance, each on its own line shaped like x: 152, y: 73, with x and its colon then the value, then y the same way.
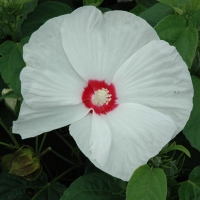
x: 101, y: 97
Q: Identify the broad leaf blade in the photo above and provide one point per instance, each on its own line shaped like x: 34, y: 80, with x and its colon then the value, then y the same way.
x: 147, y: 184
x: 194, y: 21
x: 174, y: 30
x: 92, y: 2
x: 11, y: 63
x: 138, y: 9
x: 171, y: 3
x: 191, y: 188
x: 157, y: 12
x: 147, y: 3
x: 192, y: 128
x: 41, y: 14
x: 16, y: 188
x: 29, y: 6
x: 92, y: 186
x: 182, y: 3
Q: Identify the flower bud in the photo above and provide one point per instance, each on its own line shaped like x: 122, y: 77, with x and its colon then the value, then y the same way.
x: 25, y: 163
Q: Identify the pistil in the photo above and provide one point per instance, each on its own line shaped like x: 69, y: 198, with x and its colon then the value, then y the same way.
x: 101, y: 97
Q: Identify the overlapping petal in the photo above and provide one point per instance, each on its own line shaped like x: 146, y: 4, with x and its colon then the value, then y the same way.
x: 45, y: 89
x: 50, y: 87
x: 100, y: 140
x: 44, y: 50
x: 98, y: 44
x: 33, y: 122
x: 94, y: 139
x: 138, y: 133
x: 156, y: 76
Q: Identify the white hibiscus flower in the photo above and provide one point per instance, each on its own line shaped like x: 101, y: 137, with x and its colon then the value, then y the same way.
x: 125, y: 92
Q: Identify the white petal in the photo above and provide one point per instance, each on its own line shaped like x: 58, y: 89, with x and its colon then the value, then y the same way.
x: 93, y: 136
x: 34, y: 122
x: 156, y: 76
x: 98, y: 44
x: 44, y: 50
x: 43, y: 89
x: 100, y: 140
x: 138, y: 133
x: 81, y: 132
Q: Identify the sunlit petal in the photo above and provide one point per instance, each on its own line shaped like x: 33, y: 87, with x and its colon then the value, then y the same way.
x: 32, y: 122
x: 138, y: 133
x: 44, y: 50
x: 156, y: 76
x: 43, y: 89
x: 100, y: 140
x: 98, y: 44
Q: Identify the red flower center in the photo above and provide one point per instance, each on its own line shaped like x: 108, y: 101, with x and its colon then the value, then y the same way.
x: 99, y: 96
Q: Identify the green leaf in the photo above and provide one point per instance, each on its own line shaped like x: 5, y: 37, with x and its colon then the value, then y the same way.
x: 122, y: 184
x: 10, y: 94
x: 178, y: 10
x: 70, y: 3
x: 190, y: 190
x: 147, y: 3
x: 194, y: 21
x: 92, y: 186
x: 171, y: 3
x: 157, y: 12
x: 156, y: 161
x: 192, y: 128
x: 11, y: 63
x: 183, y: 7
x: 172, y: 147
x: 195, y: 69
x: 148, y: 184
x: 174, y: 30
x: 27, y: 8
x: 174, y: 3
x: 16, y: 188
x: 138, y: 9
x: 171, y: 168
x: 92, y: 2
x: 41, y: 14
x: 3, y: 31
x: 21, y: 2
x: 183, y: 149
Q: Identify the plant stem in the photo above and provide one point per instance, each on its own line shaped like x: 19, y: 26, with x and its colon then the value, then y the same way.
x: 77, y: 153
x: 41, y: 145
x: 46, y: 168
x: 55, y: 179
x: 44, y: 152
x: 10, y: 134
x: 36, y: 145
x: 66, y: 142
x: 62, y: 157
x: 8, y: 145
x: 64, y: 173
x: 36, y: 195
